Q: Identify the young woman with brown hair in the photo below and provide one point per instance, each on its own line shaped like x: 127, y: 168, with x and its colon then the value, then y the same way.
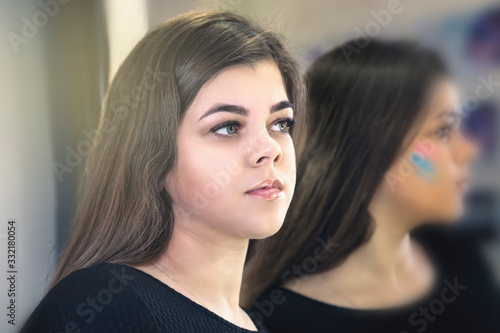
x: 194, y: 156
x: 383, y: 155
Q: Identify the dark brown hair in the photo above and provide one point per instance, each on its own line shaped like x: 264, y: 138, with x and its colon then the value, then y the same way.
x: 365, y: 97
x: 122, y: 216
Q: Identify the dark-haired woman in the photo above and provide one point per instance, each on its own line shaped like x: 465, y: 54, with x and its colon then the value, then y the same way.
x: 179, y: 180
x: 383, y: 157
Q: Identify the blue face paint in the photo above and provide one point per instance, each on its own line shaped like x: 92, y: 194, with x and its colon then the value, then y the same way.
x: 425, y: 168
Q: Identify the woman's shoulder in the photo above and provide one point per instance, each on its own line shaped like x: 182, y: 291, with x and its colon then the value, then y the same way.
x: 102, y: 297
x: 114, y: 276
x: 102, y: 280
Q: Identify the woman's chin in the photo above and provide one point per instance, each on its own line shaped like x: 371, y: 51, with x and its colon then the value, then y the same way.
x: 262, y: 230
x: 452, y: 216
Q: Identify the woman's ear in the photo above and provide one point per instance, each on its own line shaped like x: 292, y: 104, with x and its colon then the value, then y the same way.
x: 167, y: 184
x: 161, y: 186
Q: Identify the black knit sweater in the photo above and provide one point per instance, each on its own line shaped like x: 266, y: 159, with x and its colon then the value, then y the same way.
x: 118, y: 298
x: 465, y: 299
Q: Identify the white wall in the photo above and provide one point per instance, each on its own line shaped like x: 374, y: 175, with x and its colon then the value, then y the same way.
x: 27, y: 191
x: 127, y: 23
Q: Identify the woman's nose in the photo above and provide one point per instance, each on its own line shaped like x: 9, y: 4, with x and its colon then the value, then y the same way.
x: 262, y: 149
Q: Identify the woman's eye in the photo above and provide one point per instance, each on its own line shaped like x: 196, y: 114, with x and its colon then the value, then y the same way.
x: 284, y: 125
x: 444, y: 131
x: 226, y: 129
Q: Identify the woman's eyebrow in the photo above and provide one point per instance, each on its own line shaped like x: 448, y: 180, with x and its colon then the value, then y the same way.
x: 240, y: 110
x: 282, y: 105
x: 449, y: 113
x: 227, y: 108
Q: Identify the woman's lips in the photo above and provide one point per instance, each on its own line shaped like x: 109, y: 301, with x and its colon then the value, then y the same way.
x: 269, y: 189
x: 266, y: 193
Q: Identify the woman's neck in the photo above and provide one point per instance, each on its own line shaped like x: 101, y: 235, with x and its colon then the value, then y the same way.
x: 207, y: 264
x: 210, y: 262
x: 389, y: 269
x: 388, y: 254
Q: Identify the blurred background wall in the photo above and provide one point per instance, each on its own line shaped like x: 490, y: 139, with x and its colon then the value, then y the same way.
x: 57, y: 58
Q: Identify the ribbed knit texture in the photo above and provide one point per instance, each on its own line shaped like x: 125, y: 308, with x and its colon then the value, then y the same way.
x: 118, y: 298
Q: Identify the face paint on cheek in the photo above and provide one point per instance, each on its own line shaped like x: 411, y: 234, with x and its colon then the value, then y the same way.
x: 425, y: 148
x: 424, y: 167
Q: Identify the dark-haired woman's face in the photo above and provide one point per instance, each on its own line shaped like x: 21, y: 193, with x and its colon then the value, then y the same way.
x: 430, y: 178
x: 233, y: 137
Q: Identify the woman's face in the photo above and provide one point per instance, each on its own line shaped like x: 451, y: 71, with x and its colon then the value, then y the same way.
x: 234, y: 138
x: 429, y: 180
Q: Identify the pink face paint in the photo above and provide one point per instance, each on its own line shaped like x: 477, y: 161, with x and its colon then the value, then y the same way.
x: 425, y: 148
x: 421, y: 158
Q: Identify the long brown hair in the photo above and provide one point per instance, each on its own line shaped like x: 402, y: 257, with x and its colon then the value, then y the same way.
x: 122, y: 216
x: 364, y: 99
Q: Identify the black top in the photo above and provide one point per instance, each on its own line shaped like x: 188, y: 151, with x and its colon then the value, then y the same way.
x: 109, y: 297
x: 464, y: 299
